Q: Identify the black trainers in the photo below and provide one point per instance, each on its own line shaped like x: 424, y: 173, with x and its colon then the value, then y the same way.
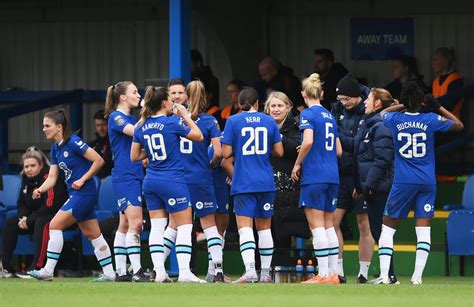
x: 342, y: 279
x: 124, y: 278
x: 361, y: 279
x: 140, y: 277
x: 219, y: 278
x: 393, y: 280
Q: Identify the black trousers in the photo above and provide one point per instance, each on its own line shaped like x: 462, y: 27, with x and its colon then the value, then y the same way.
x: 40, y: 233
x: 376, y: 207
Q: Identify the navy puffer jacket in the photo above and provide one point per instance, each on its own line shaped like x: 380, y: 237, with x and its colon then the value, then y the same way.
x: 374, y: 154
x: 348, y: 122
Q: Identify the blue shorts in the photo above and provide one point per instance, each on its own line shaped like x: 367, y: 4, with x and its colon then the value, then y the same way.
x: 256, y: 205
x: 223, y: 199
x: 162, y: 194
x: 82, y: 206
x: 319, y: 196
x: 129, y: 193
x: 203, y: 199
x: 403, y: 197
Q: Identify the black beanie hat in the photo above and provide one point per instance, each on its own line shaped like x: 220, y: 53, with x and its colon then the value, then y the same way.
x: 348, y: 86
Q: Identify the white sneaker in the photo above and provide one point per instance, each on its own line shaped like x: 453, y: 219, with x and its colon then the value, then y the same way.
x: 416, y: 281
x: 5, y: 274
x: 191, y: 278
x: 41, y: 275
x: 379, y: 281
x: 162, y: 277
x: 248, y: 277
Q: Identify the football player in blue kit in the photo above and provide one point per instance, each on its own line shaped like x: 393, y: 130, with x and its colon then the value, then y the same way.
x: 79, y: 163
x: 318, y: 168
x: 414, y: 184
x: 198, y: 171
x: 157, y: 137
x: 127, y: 177
x: 249, y: 138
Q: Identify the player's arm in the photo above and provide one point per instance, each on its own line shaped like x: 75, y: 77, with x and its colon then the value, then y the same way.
x: 457, y: 124
x: 137, y: 153
x: 195, y: 134
x: 129, y: 130
x: 304, y: 150
x: 277, y: 149
x: 216, y: 145
x: 394, y: 108
x: 338, y: 147
x: 97, y: 163
x: 226, y: 151
x: 227, y: 165
x: 49, y: 183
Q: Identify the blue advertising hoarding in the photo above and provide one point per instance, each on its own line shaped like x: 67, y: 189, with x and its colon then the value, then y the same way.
x: 381, y: 38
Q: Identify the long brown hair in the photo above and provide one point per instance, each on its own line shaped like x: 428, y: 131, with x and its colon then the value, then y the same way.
x: 59, y: 117
x: 384, y: 96
x: 112, y: 98
x: 197, y: 102
x: 154, y: 97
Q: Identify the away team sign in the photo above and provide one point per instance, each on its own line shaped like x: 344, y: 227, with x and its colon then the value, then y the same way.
x: 381, y: 38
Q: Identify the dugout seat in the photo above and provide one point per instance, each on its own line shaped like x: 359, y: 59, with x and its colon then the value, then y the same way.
x: 8, y: 197
x: 460, y: 228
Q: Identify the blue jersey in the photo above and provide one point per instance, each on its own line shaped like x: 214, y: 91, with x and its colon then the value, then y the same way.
x: 195, y: 156
x: 69, y: 156
x: 320, y: 164
x: 120, y: 143
x: 218, y: 174
x: 160, y: 136
x: 251, y: 135
x: 413, y: 139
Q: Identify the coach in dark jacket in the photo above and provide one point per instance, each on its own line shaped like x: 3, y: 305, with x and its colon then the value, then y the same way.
x: 349, y: 112
x: 33, y: 215
x: 288, y: 220
x: 374, y: 157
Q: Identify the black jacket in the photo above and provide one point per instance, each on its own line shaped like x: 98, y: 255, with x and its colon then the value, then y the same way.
x: 102, y: 147
x: 374, y: 153
x: 347, y: 125
x: 282, y: 167
x: 48, y: 204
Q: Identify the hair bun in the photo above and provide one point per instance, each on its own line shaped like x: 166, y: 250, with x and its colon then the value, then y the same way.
x: 314, y: 77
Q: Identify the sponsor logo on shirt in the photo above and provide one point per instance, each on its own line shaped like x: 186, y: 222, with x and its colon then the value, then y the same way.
x: 66, y: 170
x: 442, y: 119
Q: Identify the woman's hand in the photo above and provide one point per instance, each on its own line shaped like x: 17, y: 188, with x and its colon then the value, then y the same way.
x: 76, y: 185
x: 180, y: 110
x: 36, y: 193
x: 296, y: 172
x: 22, y: 223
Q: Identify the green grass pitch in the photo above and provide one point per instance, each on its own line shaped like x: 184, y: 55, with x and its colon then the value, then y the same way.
x: 436, y: 291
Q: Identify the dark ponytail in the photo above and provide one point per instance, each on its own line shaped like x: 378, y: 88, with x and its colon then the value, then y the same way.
x: 60, y: 117
x: 412, y: 96
x: 112, y: 98
x: 247, y: 98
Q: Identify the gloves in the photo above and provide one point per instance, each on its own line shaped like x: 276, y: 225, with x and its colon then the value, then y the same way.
x: 432, y: 103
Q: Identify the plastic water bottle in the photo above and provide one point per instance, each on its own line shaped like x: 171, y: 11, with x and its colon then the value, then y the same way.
x: 309, y: 269
x: 299, y: 271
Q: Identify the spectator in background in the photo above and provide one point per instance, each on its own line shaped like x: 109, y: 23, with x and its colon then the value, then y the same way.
x: 330, y: 74
x: 205, y: 74
x: 33, y: 215
x: 233, y: 89
x: 404, y: 69
x: 349, y: 112
x: 276, y: 77
x: 448, y: 83
x: 102, y: 144
x: 288, y: 219
x: 177, y: 91
x: 374, y: 155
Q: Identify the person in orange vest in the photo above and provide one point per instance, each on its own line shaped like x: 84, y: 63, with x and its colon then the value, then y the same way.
x: 448, y: 81
x: 233, y: 89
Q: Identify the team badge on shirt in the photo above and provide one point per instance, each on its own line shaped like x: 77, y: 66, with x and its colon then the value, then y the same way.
x: 65, y: 154
x: 119, y: 120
